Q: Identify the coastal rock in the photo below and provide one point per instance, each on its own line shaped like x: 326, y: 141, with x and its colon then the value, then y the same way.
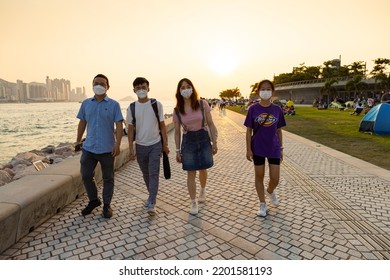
x: 5, y: 177
x: 20, y: 167
x: 29, y: 157
x: 9, y: 171
x: 17, y: 161
x: 24, y: 171
x: 49, y: 149
x: 22, y: 164
x: 64, y: 148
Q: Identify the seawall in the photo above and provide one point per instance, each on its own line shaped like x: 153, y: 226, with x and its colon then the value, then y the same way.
x: 28, y: 202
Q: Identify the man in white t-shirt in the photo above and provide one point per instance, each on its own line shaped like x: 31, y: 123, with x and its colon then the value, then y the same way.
x: 148, y: 146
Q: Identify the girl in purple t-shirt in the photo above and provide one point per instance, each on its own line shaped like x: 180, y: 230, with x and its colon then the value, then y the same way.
x: 264, y: 139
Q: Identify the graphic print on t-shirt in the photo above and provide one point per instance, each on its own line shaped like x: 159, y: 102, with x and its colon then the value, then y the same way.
x: 270, y: 121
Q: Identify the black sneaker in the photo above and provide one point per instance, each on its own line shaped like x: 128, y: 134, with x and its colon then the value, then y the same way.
x: 91, y: 205
x: 107, y: 211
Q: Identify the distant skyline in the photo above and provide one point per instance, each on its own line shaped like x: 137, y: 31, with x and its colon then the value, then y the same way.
x: 218, y: 44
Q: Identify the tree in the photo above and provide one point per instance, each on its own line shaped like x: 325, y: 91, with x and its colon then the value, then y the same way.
x: 332, y: 71
x: 382, y: 80
x: 329, y: 89
x: 356, y: 84
x: 230, y: 93
x: 357, y: 68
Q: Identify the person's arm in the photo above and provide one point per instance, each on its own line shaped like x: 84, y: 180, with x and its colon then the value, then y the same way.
x: 249, y: 153
x: 130, y: 137
x: 213, y: 131
x: 280, y: 136
x: 164, y: 135
x: 118, y: 135
x: 178, y: 141
x: 80, y: 132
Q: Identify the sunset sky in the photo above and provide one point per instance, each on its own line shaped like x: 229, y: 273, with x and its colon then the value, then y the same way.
x: 218, y: 44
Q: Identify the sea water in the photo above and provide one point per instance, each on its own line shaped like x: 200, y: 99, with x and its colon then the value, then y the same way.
x: 33, y: 126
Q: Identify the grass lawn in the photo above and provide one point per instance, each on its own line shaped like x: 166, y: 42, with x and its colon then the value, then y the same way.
x: 340, y: 131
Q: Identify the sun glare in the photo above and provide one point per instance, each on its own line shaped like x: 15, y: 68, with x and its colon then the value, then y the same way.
x: 223, y: 61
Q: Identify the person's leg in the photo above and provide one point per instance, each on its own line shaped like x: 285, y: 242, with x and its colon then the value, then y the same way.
x: 274, y: 176
x: 191, y: 184
x: 143, y: 162
x: 88, y: 164
x: 203, y: 181
x: 154, y: 171
x: 259, y: 181
x: 107, y: 166
x: 259, y: 163
x: 87, y: 169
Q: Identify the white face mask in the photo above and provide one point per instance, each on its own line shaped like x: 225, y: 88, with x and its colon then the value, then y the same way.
x: 265, y: 94
x: 141, y: 93
x: 99, y: 90
x: 186, y: 93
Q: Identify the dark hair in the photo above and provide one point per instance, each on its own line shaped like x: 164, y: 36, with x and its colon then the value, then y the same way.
x: 180, y: 100
x: 266, y: 81
x: 102, y: 76
x: 140, y: 81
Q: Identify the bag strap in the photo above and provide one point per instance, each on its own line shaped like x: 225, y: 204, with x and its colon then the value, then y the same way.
x: 202, y: 109
x: 155, y: 109
x: 179, y: 118
x: 132, y: 109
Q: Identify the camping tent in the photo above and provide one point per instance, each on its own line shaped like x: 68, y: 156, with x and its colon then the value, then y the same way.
x: 377, y: 120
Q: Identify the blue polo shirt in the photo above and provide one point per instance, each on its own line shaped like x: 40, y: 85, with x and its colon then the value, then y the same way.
x: 100, y: 117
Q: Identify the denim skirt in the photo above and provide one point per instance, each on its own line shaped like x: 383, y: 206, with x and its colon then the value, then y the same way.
x: 196, y: 151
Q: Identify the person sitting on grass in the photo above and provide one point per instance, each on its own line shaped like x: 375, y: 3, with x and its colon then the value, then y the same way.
x: 358, y: 109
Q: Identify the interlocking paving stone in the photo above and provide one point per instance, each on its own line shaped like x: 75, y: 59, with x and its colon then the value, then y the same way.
x: 330, y: 209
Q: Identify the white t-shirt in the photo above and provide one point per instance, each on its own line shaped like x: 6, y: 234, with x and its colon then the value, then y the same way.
x: 146, y: 127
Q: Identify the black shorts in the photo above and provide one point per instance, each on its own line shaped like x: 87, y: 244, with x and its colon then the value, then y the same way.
x: 258, y: 160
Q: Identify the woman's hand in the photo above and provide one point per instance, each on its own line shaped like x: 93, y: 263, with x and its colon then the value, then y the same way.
x: 214, y: 149
x: 249, y: 155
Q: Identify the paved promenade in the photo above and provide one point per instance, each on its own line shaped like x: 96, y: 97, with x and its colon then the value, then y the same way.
x: 332, y: 206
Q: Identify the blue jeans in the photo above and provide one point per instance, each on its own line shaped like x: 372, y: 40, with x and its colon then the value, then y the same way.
x: 88, y: 162
x: 148, y: 158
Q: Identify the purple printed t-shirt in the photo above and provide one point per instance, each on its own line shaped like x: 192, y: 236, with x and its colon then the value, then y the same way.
x: 266, y: 141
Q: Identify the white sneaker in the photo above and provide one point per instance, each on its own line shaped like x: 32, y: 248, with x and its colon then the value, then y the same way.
x: 263, y: 210
x: 194, y: 208
x: 152, y: 209
x: 202, y: 195
x: 272, y: 196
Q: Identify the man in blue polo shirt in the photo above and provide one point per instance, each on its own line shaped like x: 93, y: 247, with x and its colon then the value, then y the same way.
x: 102, y: 144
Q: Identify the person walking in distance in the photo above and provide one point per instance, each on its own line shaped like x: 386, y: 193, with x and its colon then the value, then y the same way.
x: 98, y: 115
x: 148, y: 147
x: 264, y: 139
x: 197, y: 149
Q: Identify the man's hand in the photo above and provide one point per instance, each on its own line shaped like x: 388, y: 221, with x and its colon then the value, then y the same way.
x: 116, y: 150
